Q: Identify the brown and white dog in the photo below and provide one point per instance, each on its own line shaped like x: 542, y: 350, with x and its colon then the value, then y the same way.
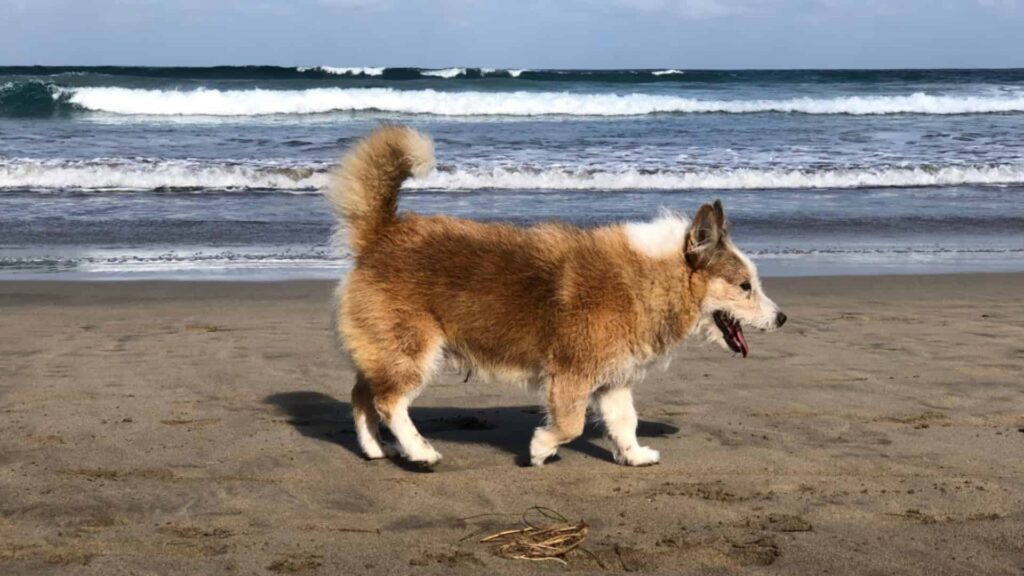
x: 577, y: 312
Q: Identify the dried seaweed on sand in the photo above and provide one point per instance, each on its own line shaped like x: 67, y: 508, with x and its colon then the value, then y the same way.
x: 550, y: 539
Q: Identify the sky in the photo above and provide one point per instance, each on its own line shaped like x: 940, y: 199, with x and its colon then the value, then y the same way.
x: 517, y: 33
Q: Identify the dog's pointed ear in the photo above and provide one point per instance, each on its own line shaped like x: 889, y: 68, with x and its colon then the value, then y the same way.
x: 719, y: 215
x: 705, y: 235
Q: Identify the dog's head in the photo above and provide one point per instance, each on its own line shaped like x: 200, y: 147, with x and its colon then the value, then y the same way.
x: 734, y: 297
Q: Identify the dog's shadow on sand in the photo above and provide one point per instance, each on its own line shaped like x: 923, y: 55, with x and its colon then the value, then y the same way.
x: 508, y: 428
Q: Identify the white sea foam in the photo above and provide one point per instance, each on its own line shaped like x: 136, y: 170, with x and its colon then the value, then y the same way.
x: 445, y: 73
x: 672, y: 72
x: 204, y: 101
x: 103, y: 174
x: 724, y: 179
x: 516, y: 73
x: 357, y: 71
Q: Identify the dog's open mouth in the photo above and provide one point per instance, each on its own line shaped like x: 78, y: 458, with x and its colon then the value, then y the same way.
x: 731, y: 331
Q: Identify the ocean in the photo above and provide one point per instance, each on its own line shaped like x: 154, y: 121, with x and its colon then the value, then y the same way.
x: 213, y: 173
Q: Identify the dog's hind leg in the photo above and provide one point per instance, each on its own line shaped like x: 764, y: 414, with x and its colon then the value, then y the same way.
x: 567, y: 413
x: 616, y: 405
x: 367, y: 420
x: 394, y: 390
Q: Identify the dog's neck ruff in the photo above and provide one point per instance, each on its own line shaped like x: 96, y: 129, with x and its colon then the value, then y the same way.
x: 659, y: 238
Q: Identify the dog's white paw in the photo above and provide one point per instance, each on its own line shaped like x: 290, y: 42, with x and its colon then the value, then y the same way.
x: 638, y: 456
x: 374, y: 449
x: 538, y: 459
x: 542, y: 447
x: 373, y: 452
x: 425, y: 455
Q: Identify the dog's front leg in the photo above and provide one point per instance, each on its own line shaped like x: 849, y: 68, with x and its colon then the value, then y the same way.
x: 567, y: 413
x: 619, y: 415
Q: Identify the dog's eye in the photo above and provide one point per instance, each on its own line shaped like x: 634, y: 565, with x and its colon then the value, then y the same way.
x: 745, y: 286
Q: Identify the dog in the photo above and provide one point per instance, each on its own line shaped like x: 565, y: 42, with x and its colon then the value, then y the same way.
x: 576, y: 312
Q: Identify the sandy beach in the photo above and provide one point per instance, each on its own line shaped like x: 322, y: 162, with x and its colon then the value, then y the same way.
x: 204, y: 428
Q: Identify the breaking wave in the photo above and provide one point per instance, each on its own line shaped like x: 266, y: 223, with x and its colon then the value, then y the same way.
x: 28, y: 99
x: 721, y: 179
x: 211, y: 102
x: 118, y: 174
x: 445, y: 73
x: 358, y: 71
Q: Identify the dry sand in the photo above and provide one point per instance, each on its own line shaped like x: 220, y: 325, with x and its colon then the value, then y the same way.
x: 204, y: 428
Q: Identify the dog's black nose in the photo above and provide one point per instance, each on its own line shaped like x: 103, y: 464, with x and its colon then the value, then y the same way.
x: 780, y: 319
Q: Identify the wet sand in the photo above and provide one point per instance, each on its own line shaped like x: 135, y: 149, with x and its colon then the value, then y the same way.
x: 204, y: 428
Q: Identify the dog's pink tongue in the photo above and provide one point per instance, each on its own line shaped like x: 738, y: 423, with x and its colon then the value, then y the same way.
x: 737, y: 333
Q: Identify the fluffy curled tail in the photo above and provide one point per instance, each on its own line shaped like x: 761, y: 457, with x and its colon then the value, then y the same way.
x: 364, y: 186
